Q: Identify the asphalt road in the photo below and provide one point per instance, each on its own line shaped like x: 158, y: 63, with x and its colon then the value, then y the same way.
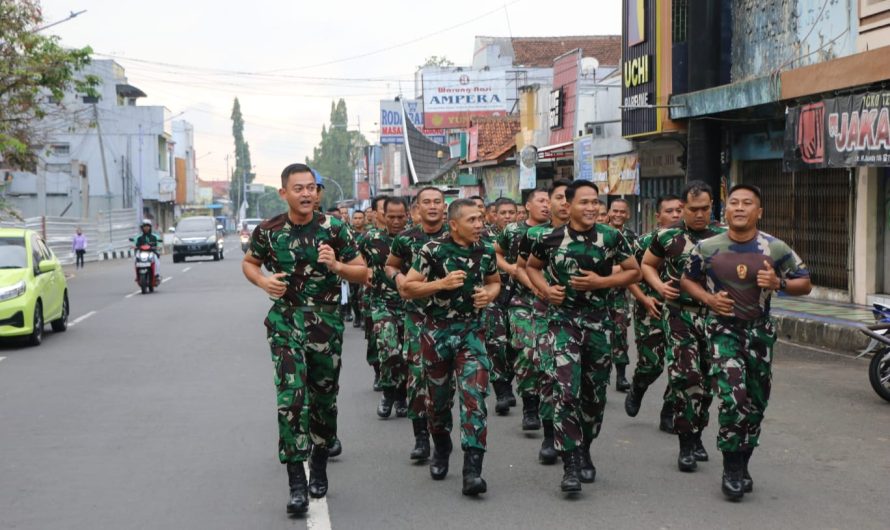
x: 158, y: 411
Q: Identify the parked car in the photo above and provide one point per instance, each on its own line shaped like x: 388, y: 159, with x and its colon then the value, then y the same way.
x: 198, y: 236
x: 247, y: 228
x: 33, y: 289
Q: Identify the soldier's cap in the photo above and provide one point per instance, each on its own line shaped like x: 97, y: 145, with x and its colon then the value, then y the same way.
x: 318, y: 181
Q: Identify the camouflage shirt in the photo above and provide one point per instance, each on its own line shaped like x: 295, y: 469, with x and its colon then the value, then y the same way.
x: 439, y: 257
x: 673, y: 245
x: 293, y: 249
x: 640, y: 246
x: 510, y: 242
x: 375, y: 249
x: 721, y: 264
x: 406, y: 245
x: 565, y: 252
x: 631, y: 237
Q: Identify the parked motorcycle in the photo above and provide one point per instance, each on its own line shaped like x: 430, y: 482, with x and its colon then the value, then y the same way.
x: 146, y: 277
x: 879, y: 367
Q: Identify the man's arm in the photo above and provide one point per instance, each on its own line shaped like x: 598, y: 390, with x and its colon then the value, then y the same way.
x: 415, y: 285
x: 509, y: 268
x: 555, y: 294
x: 488, y: 292
x: 720, y: 303
x: 651, y: 265
x: 354, y: 270
x: 393, y: 269
x: 628, y: 273
x: 252, y: 269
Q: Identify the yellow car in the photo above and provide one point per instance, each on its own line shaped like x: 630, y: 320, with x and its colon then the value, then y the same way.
x: 33, y: 289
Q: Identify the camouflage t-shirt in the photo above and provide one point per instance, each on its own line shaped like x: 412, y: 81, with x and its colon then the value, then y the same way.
x: 375, y: 249
x: 565, y: 252
x: 640, y: 246
x: 441, y: 256
x: 510, y: 242
x: 674, y: 245
x: 293, y: 249
x: 721, y: 264
x: 406, y: 245
x: 620, y: 294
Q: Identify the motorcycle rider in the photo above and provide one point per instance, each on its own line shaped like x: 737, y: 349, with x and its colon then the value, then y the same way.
x: 147, y: 237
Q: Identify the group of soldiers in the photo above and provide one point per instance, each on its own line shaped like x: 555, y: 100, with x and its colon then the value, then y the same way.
x: 462, y: 294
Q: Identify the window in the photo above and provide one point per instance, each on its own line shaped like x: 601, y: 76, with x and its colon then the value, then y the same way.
x: 60, y: 149
x: 680, y: 21
x: 162, y: 153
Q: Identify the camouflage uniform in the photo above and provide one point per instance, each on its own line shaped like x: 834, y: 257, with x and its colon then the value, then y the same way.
x: 453, y: 339
x: 545, y: 355
x: 387, y: 313
x: 648, y: 331
x: 619, y: 313
x: 304, y: 328
x: 742, y: 345
x: 405, y: 246
x: 367, y: 302
x: 576, y: 331
x: 495, y: 317
x: 688, y: 357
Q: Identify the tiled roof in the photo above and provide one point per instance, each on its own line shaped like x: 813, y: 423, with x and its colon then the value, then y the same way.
x: 496, y: 135
x: 540, y: 51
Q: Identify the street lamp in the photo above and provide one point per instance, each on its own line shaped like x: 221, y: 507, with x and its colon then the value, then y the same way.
x: 339, y: 188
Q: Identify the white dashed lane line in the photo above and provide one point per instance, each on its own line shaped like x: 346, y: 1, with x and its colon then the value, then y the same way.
x: 134, y: 293
x: 80, y: 319
x: 1, y: 358
x: 167, y: 279
x: 186, y: 269
x: 318, y: 518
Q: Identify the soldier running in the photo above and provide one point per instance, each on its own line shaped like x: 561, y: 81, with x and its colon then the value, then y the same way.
x: 735, y: 274
x: 619, y: 310
x: 572, y: 265
x: 377, y: 225
x: 457, y: 274
x: 309, y: 254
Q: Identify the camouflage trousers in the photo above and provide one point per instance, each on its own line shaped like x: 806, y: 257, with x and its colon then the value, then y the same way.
x: 742, y: 355
x: 417, y: 391
x: 306, y: 348
x: 689, y: 367
x: 582, y: 361
x: 651, y: 345
x: 525, y: 342
x: 619, y: 319
x: 497, y: 343
x: 454, y: 355
x: 548, y: 369
x: 389, y: 330
x: 371, y: 349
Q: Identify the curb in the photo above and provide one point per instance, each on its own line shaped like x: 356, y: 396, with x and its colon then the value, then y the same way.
x: 836, y: 335
x: 115, y: 254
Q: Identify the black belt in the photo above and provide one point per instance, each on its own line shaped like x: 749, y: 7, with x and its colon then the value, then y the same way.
x: 699, y: 310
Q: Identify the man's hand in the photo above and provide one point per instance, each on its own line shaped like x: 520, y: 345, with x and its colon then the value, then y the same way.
x: 481, y: 298
x: 368, y: 278
x: 454, y: 280
x: 652, y: 306
x: 667, y: 291
x: 721, y: 303
x: 326, y: 256
x: 274, y: 286
x: 767, y: 279
x: 556, y: 294
x: 588, y: 281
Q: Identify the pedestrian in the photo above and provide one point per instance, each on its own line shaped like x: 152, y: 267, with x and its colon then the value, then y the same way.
x: 619, y: 310
x: 309, y: 254
x: 735, y: 274
x: 457, y: 275
x: 649, y: 335
x: 688, y: 355
x: 524, y: 308
x: 578, y: 259
x: 79, y: 245
x: 405, y: 247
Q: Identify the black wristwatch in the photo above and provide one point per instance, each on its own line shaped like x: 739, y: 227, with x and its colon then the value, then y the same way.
x: 393, y: 277
x: 782, y: 284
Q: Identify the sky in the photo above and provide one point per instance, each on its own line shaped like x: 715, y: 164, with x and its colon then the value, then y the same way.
x: 287, y: 61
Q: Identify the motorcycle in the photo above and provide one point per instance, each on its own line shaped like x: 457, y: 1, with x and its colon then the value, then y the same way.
x: 879, y: 367
x: 245, y: 241
x: 145, y: 269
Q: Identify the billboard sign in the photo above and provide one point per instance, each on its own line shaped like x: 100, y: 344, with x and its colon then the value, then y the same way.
x: 450, y: 99
x: 391, y: 119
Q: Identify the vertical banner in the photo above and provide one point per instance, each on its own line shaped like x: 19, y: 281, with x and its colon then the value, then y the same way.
x: 528, y: 160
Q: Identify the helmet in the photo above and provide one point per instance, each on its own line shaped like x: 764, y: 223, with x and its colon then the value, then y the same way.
x: 145, y: 222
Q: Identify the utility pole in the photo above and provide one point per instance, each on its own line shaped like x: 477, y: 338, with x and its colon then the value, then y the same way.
x: 104, y: 171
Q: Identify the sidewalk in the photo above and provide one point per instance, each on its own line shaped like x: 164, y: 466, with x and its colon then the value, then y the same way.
x: 833, y: 326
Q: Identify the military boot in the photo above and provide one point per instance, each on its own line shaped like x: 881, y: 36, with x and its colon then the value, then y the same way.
x: 474, y: 484
x: 377, y: 387
x: 699, y: 452
x: 401, y: 403
x: 633, y: 400
x: 296, y: 479
x: 586, y: 470
x: 384, y: 409
x: 511, y: 397
x: 733, y: 470
x: 421, y: 449
x: 621, y: 383
x: 548, y: 454
x: 666, y: 421
x: 571, y: 462
x: 503, y: 401
x: 335, y: 449
x: 747, y: 481
x: 318, y: 472
x: 441, y: 452
x: 530, y: 419
x: 686, y: 461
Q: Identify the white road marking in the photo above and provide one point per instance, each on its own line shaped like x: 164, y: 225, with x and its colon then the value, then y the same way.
x: 318, y: 517
x: 1, y: 358
x: 134, y: 293
x: 167, y: 279
x: 80, y: 319
x: 186, y: 269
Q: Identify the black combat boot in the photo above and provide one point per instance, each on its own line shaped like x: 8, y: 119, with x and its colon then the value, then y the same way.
x: 571, y: 483
x: 335, y: 449
x: 401, y: 403
x: 621, y: 383
x: 530, y: 419
x: 377, y: 387
x: 586, y: 470
x: 384, y: 409
x: 441, y: 451
x: 548, y: 454
x: 699, y: 452
x: 686, y: 461
x: 296, y: 479
x: 511, y: 397
x: 747, y: 481
x: 474, y: 484
x: 633, y: 400
x: 502, y: 406
x: 666, y: 422
x: 733, y: 470
x: 421, y: 449
x: 318, y: 472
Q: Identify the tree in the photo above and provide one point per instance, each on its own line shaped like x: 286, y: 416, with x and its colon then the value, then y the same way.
x: 270, y: 203
x: 435, y: 60
x: 35, y: 72
x: 337, y: 155
x: 242, y: 173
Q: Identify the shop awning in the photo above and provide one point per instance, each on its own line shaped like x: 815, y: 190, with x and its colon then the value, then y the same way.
x: 557, y: 151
